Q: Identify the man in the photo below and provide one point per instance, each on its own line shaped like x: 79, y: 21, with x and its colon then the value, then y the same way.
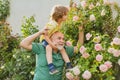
x: 41, y: 70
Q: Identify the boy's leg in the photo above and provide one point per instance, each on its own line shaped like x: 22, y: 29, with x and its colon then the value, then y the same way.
x: 51, y: 66
x: 66, y: 58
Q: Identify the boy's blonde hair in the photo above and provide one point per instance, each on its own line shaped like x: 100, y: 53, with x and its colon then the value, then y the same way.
x: 58, y: 12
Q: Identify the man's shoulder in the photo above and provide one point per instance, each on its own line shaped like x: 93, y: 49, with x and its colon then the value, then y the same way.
x: 37, y: 46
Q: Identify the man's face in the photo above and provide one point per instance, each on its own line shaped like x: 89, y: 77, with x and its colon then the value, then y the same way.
x: 58, y: 40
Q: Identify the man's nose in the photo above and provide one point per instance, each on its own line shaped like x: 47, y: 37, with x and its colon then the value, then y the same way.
x: 62, y: 40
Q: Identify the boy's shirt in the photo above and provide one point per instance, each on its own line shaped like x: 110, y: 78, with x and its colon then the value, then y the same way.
x: 52, y: 26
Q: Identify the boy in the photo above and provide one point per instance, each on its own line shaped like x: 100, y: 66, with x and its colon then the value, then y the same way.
x: 58, y: 15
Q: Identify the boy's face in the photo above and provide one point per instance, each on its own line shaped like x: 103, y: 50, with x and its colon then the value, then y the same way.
x: 64, y: 17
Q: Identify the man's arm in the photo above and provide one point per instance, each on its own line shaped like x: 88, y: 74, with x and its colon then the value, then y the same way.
x: 27, y: 42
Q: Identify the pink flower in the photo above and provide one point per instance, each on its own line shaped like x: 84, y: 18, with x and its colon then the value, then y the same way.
x: 116, y: 53
x: 85, y: 55
x: 69, y: 75
x: 88, y: 36
x: 108, y: 64
x: 91, y: 6
x: 86, y: 75
x: 75, y: 18
x: 92, y: 17
x: 116, y: 41
x: 68, y: 43
x: 82, y: 49
x: 98, y: 47
x: 99, y: 57
x: 76, y: 70
x: 118, y: 29
x: 83, y: 4
x: 103, y: 68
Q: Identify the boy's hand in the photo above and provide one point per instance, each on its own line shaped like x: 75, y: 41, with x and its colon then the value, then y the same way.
x: 44, y: 31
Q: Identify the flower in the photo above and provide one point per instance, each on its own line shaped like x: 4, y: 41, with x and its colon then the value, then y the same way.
x: 103, y: 12
x: 88, y: 36
x: 76, y: 70
x: 86, y: 75
x: 92, y: 17
x: 85, y: 55
x: 98, y: 47
x: 69, y: 75
x: 2, y: 67
x: 32, y: 72
x: 83, y: 4
x: 91, y: 6
x: 68, y: 43
x: 103, y: 67
x: 75, y: 18
x: 116, y: 41
x: 82, y: 49
x: 97, y: 4
x: 110, y: 50
x: 116, y: 53
x: 99, y: 57
x: 96, y: 39
x: 108, y: 64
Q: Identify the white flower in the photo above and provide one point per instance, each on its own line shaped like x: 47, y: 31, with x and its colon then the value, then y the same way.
x: 97, y: 4
x: 32, y: 72
x: 2, y: 67
x: 92, y: 17
x: 103, y: 12
x: 14, y: 56
x: 76, y: 70
x: 28, y: 56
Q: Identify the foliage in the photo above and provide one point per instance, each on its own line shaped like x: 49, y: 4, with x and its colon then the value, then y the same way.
x: 4, y: 9
x: 100, y: 26
x: 92, y: 15
x: 28, y: 28
x: 16, y: 64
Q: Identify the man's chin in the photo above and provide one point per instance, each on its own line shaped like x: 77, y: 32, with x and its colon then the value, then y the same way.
x: 60, y: 47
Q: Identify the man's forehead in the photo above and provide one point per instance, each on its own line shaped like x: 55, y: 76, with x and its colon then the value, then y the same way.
x: 58, y: 34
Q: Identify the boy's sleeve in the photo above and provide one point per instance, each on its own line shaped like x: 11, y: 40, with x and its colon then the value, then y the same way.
x: 69, y: 50
x: 36, y: 48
